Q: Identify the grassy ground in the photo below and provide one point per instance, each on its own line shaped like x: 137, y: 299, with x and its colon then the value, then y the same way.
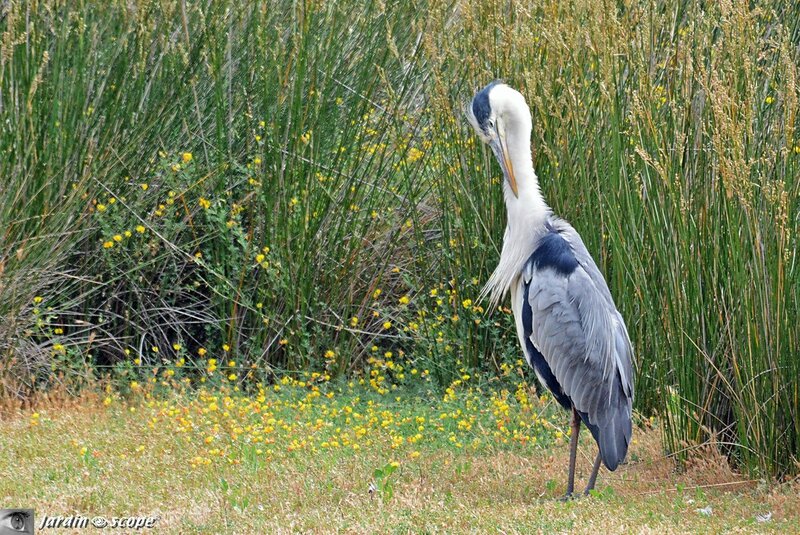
x: 302, y: 456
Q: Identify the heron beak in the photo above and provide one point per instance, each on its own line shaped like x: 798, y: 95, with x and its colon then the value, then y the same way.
x: 501, y: 151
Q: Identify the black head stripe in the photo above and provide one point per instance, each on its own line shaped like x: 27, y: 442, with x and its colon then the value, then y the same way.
x: 480, y: 105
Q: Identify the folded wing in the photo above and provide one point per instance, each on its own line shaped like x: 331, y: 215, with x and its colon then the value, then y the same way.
x: 577, y: 330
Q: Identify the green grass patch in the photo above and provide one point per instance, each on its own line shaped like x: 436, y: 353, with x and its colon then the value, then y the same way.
x: 313, y: 455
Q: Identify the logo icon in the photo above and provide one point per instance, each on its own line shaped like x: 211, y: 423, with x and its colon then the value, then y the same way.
x: 16, y: 521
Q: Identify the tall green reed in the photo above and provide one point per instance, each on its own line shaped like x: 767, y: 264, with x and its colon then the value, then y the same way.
x: 334, y: 188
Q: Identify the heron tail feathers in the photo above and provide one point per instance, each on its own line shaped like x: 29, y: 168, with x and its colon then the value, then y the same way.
x: 614, y: 436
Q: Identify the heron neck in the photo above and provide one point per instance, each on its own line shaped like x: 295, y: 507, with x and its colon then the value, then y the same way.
x: 527, y: 215
x: 529, y: 208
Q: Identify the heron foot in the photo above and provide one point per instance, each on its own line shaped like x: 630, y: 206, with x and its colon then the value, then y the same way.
x: 569, y: 496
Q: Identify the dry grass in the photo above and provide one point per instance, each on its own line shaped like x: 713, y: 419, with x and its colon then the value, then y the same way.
x: 136, y: 464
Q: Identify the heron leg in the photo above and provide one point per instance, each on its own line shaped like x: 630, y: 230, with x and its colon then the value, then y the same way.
x: 593, y: 478
x: 573, y: 452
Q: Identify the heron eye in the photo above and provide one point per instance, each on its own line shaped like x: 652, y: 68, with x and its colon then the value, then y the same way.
x: 491, y: 123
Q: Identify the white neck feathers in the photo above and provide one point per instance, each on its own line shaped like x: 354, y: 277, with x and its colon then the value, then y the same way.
x: 527, y: 214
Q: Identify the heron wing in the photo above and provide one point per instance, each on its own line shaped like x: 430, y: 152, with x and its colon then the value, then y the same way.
x: 573, y: 324
x: 585, y: 260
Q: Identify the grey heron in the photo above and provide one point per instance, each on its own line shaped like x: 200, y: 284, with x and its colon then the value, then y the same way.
x: 571, y: 332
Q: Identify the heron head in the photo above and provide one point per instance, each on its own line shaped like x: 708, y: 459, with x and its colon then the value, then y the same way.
x: 500, y: 115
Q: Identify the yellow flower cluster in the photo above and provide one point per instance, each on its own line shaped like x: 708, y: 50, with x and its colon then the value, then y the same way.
x: 309, y: 414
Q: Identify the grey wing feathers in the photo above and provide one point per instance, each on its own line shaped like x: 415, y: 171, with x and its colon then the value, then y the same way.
x: 583, y: 338
x: 621, y: 342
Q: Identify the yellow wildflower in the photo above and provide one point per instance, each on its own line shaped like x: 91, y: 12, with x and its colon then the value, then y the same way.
x: 414, y: 154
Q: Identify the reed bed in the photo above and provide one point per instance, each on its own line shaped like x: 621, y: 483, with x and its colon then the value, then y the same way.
x: 292, y: 186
